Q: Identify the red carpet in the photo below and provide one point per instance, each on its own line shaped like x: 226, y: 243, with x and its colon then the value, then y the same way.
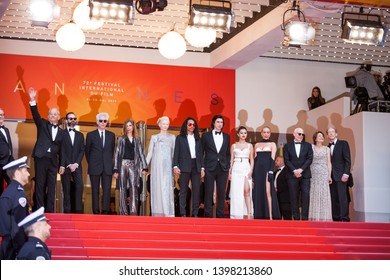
x: 85, y: 236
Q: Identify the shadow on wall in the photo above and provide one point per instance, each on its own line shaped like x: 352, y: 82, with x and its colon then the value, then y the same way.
x: 267, y: 116
x: 95, y: 101
x: 216, y: 107
x: 242, y: 117
x: 186, y: 109
x: 159, y: 106
x: 123, y: 113
x: 302, y: 123
x: 344, y: 133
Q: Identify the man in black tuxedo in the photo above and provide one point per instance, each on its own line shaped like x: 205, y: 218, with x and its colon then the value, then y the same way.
x: 341, y: 170
x: 298, y: 156
x: 216, y: 148
x: 188, y: 164
x: 282, y: 190
x: 72, y: 153
x: 99, y: 151
x: 45, y: 153
x: 5, y: 151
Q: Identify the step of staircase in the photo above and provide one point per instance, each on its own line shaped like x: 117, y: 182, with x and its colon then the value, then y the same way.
x: 106, y: 237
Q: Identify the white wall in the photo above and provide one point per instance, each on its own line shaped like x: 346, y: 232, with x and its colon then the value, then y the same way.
x: 284, y: 86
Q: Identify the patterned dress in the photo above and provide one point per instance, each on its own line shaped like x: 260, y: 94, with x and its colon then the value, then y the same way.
x: 320, y: 208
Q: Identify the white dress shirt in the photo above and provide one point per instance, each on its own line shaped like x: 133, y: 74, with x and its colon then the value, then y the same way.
x: 218, y: 140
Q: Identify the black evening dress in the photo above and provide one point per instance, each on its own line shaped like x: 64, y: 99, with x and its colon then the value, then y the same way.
x: 263, y: 164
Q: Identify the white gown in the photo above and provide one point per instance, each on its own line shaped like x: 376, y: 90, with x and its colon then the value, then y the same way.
x: 241, y: 168
x: 160, y: 155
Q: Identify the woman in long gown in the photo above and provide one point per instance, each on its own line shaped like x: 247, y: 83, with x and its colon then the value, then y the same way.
x: 240, y: 173
x: 320, y: 207
x: 265, y: 201
x: 129, y: 160
x: 160, y: 153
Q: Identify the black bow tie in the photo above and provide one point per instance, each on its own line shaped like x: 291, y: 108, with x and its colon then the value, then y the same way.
x: 72, y: 129
x: 277, y: 170
x: 330, y: 144
x: 2, y: 126
x: 216, y: 132
x: 53, y: 125
x: 297, y: 143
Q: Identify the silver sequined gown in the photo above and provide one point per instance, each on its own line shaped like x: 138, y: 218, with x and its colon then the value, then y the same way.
x: 320, y: 208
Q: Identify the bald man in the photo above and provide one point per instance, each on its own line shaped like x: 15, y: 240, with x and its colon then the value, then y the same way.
x: 45, y: 153
x: 298, y: 156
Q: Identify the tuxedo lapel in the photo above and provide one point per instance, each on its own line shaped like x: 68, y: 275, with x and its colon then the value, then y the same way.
x: 68, y: 137
x: 2, y: 135
x: 224, y: 142
x: 8, y: 138
x: 48, y: 130
x: 187, y: 145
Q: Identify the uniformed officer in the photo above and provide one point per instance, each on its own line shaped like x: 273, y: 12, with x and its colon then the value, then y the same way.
x: 13, y: 209
x: 37, y: 230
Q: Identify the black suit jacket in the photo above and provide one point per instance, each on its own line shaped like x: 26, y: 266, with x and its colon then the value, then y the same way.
x: 211, y: 156
x: 293, y: 162
x: 100, y: 159
x: 182, y: 155
x: 72, y: 153
x: 5, y: 148
x: 44, y: 138
x: 281, y: 183
x: 341, y: 160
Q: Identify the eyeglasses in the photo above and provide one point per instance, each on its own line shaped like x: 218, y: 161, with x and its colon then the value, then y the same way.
x: 72, y: 119
x: 301, y: 134
x: 191, y: 124
x: 103, y: 121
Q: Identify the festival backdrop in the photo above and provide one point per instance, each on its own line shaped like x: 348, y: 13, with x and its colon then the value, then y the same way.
x: 143, y: 92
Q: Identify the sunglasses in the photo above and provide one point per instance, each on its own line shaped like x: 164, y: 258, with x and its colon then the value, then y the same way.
x: 72, y: 119
x: 191, y: 125
x: 301, y: 134
x: 103, y: 121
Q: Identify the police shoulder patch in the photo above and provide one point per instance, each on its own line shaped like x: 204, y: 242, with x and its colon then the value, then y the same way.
x: 23, y: 201
x: 40, y: 258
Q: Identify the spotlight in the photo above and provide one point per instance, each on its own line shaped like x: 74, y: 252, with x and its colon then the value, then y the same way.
x: 297, y: 33
x: 363, y: 29
x: 121, y: 11
x: 216, y: 15
x: 42, y: 12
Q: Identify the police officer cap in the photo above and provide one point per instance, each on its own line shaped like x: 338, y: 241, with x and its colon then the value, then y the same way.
x: 18, y: 163
x: 38, y: 215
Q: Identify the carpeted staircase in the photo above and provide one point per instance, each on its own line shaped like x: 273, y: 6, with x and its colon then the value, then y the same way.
x: 105, y: 237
